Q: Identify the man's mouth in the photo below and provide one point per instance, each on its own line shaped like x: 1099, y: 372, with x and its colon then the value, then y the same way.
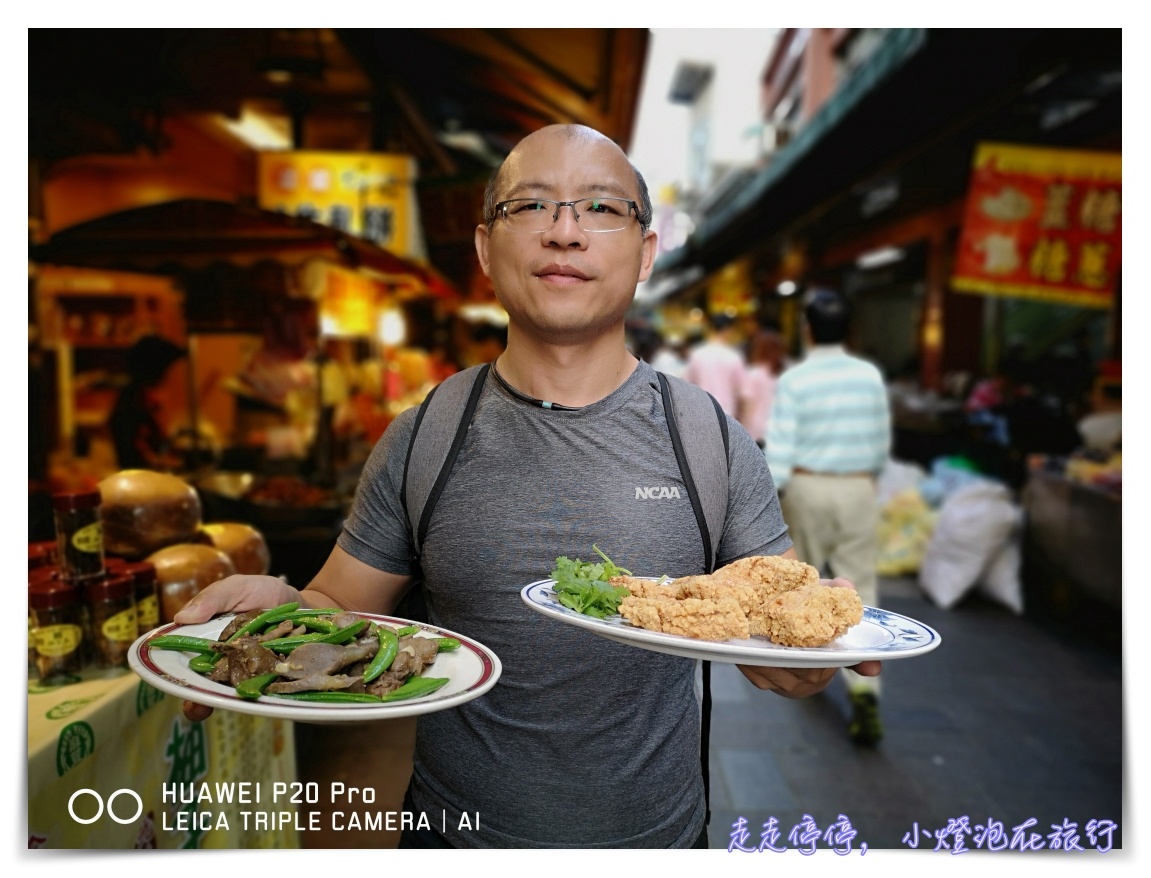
x: 561, y: 274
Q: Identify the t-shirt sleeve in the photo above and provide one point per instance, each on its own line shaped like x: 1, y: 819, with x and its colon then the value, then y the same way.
x: 376, y: 529
x: 754, y: 524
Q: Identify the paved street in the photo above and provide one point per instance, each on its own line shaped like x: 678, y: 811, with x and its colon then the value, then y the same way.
x: 1008, y: 719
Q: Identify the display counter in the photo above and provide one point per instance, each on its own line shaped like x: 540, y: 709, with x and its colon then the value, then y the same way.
x: 129, y: 748
x: 1073, y: 542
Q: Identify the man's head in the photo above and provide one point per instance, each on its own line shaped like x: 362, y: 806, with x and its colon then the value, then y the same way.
x: 492, y: 191
x: 561, y: 280
x: 828, y: 316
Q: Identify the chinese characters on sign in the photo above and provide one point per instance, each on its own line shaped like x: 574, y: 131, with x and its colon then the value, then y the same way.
x: 957, y: 837
x: 1043, y: 224
x: 370, y: 195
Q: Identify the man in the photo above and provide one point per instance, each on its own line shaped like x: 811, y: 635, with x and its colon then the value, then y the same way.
x: 140, y: 440
x: 717, y: 365
x: 828, y: 438
x: 584, y: 742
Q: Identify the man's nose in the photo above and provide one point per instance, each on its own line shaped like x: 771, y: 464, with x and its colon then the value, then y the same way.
x: 565, y: 230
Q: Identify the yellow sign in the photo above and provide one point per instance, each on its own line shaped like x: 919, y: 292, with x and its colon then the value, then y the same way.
x: 367, y: 194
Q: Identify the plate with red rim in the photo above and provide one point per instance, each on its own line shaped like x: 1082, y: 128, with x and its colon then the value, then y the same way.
x: 880, y: 636
x: 471, y: 670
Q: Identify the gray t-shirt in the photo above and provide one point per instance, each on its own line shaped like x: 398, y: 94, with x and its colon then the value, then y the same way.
x: 584, y: 742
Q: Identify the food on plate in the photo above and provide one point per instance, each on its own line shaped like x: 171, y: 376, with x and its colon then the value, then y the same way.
x: 812, y: 615
x: 768, y: 596
x: 326, y: 655
x: 720, y: 619
x: 584, y: 586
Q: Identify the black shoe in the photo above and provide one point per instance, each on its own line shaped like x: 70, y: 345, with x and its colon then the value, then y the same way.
x: 865, y: 728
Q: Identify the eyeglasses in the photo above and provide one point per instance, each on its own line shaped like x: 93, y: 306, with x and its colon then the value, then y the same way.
x: 591, y: 214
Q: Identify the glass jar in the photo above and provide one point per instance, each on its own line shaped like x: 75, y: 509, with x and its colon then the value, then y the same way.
x: 79, y: 534
x: 56, y: 609
x: 112, y: 618
x: 41, y: 554
x: 147, y: 594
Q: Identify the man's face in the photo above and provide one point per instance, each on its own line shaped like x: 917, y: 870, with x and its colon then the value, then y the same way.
x: 565, y: 285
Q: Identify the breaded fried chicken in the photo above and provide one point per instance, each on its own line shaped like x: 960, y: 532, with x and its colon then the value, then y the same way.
x: 812, y: 616
x: 690, y: 617
x: 646, y: 588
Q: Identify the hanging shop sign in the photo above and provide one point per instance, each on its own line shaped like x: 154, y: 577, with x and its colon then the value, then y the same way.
x: 1042, y: 224
x: 368, y: 194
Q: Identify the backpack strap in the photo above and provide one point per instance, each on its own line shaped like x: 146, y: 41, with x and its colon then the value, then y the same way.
x: 441, y: 425
x: 698, y: 428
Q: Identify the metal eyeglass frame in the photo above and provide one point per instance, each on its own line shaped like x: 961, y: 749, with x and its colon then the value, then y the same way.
x: 501, y: 210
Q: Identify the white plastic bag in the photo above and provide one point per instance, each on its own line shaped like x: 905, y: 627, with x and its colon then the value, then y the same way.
x: 975, y: 542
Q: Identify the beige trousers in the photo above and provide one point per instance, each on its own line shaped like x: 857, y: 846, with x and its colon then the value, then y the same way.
x: 832, y: 521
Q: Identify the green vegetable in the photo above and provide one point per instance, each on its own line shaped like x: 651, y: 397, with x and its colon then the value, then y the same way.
x: 253, y: 687
x: 182, y: 642
x: 287, y: 644
x: 337, y: 697
x: 203, y: 664
x: 406, y: 630
x: 447, y: 644
x: 583, y: 585
x: 415, y: 687
x: 276, y: 614
x: 389, y: 646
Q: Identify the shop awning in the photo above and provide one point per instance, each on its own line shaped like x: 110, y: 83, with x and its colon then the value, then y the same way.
x: 178, y: 237
x: 915, y: 109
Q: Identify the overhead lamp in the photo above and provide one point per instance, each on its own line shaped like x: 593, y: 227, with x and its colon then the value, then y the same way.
x: 787, y: 288
x: 879, y: 257
x: 259, y: 130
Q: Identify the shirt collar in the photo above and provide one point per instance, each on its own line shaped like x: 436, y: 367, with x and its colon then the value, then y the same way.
x: 826, y: 350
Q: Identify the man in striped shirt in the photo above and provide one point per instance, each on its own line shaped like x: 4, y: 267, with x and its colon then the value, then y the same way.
x: 828, y: 438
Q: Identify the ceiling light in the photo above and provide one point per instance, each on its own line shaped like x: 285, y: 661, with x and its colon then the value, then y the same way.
x: 787, y: 288
x: 880, y: 256
x: 260, y: 130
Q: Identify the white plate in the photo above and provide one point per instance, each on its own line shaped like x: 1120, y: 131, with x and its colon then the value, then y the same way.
x: 881, y: 636
x: 471, y: 670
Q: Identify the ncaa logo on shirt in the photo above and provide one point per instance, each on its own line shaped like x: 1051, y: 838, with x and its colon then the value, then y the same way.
x: 671, y: 493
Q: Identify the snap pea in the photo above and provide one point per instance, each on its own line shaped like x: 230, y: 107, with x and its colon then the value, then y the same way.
x: 389, y: 646
x: 415, y: 687
x: 253, y: 687
x: 343, y: 635
x: 446, y: 644
x: 406, y: 630
x: 182, y: 642
x: 203, y: 664
x: 337, y: 697
x: 287, y: 644
x: 258, y: 623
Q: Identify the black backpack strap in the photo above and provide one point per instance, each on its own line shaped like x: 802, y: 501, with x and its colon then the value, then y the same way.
x: 696, y: 416
x: 442, y: 425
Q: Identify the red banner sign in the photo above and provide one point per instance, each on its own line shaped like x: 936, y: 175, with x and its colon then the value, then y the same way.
x: 1042, y: 224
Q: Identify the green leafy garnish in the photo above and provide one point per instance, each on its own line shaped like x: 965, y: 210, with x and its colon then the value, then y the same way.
x: 583, y: 585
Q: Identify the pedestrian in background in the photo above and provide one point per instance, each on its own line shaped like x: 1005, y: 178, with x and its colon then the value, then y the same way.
x: 717, y: 364
x: 828, y: 439
x: 765, y: 363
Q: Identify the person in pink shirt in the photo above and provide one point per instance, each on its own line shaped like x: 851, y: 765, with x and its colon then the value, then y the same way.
x: 717, y: 365
x: 765, y: 361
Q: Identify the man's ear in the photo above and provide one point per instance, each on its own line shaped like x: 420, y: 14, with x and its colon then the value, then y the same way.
x: 483, y: 237
x: 647, y: 260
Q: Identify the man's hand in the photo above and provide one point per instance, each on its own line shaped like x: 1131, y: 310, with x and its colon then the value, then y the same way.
x: 233, y: 594
x: 802, y: 682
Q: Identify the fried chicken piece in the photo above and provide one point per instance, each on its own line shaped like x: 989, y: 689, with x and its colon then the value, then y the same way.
x: 646, y: 588
x: 810, y: 616
x: 771, y: 575
x: 720, y: 619
x: 707, y: 589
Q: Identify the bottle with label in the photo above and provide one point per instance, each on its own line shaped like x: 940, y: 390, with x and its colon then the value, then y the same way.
x: 79, y: 534
x: 147, y: 594
x: 56, y: 629
x: 112, y: 618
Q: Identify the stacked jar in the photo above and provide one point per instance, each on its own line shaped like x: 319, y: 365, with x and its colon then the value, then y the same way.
x: 56, y: 621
